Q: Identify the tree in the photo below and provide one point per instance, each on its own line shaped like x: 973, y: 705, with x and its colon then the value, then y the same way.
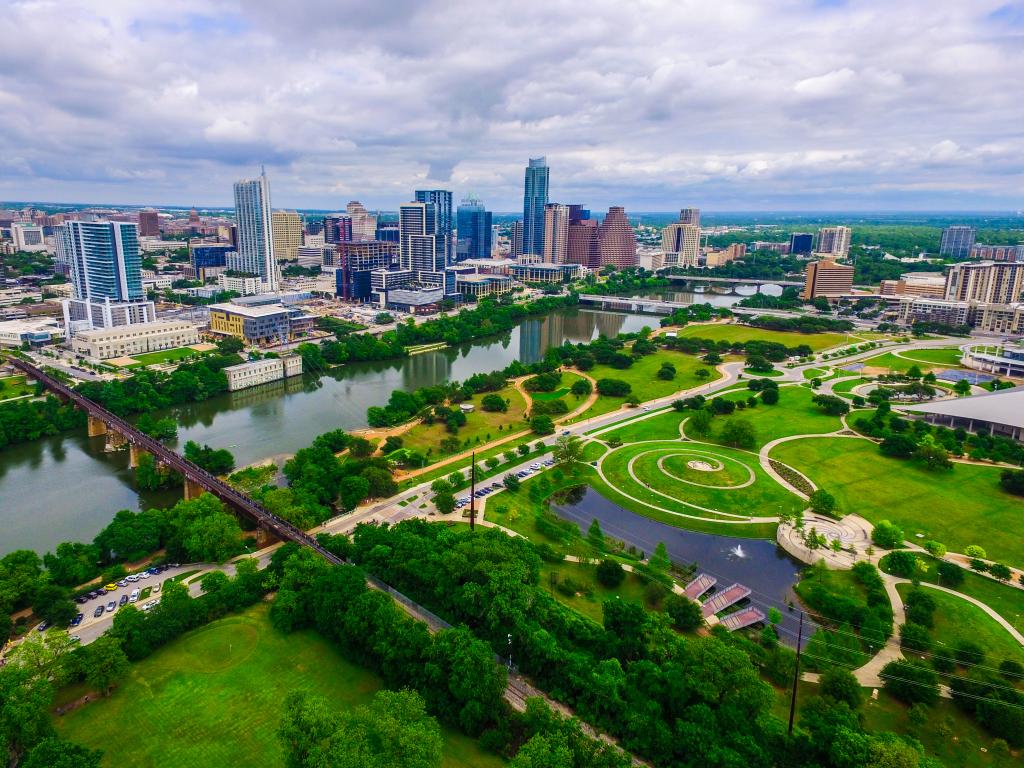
x: 962, y: 387
x: 973, y: 550
x: 380, y: 483
x: 215, y: 461
x: 902, y: 563
x: 949, y: 574
x: 105, y: 664
x: 595, y: 536
x: 887, y: 535
x: 511, y: 482
x: 739, y: 433
x: 898, y: 445
x: 702, y: 373
x: 53, y: 605
x: 822, y: 502
x: 613, y: 387
x: 759, y: 363
x: 667, y: 372
x: 1012, y: 481
x: 1000, y: 571
x: 910, y: 683
x: 932, y: 455
x: 581, y: 387
x: 610, y: 574
x: 832, y: 405
x: 568, y: 451
x: 685, y: 614
x: 360, y: 447
x: 392, y: 443
x: 445, y: 502
x: 770, y: 396
x: 914, y: 638
x: 841, y: 685
x: 659, y: 561
x: 542, y: 425
x: 25, y: 699
x: 914, y: 372
x: 700, y: 422
x: 494, y: 403
x: 54, y: 752
x: 352, y: 490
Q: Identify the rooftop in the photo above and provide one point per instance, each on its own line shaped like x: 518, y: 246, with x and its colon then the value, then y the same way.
x: 259, y: 311
x: 1004, y: 407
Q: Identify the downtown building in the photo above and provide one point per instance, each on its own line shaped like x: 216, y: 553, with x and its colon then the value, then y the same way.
x: 680, y: 241
x: 834, y: 241
x: 985, y: 282
x: 535, y: 197
x: 616, y: 241
x: 556, y: 233
x: 105, y: 268
x: 801, y: 243
x: 582, y: 239
x: 149, y: 223
x: 356, y: 261
x: 473, y: 227
x: 363, y: 223
x: 957, y: 241
x: 255, y: 253
x: 287, y: 229
x: 441, y: 200
x: 827, y: 278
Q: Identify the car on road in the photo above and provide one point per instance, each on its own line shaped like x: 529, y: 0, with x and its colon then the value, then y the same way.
x: 98, y: 612
x: 565, y: 431
x: 75, y: 638
x: 112, y: 606
x: 156, y: 587
x: 110, y: 587
x: 122, y: 601
x: 43, y: 627
x: 77, y: 620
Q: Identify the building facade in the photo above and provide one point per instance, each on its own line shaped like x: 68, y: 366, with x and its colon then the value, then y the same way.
x: 255, y: 230
x: 801, y: 243
x: 535, y: 197
x: 418, y: 250
x: 473, y: 225
x: 364, y: 223
x: 260, y: 324
x: 258, y: 372
x: 957, y: 241
x: 827, y: 278
x: 582, y: 240
x: 337, y: 229
x: 834, y: 241
x: 125, y: 341
x: 987, y: 282
x: 556, y: 233
x: 149, y: 223
x: 441, y: 200
x: 681, y: 244
x: 287, y: 228
x: 928, y: 284
x: 998, y: 252
x: 616, y: 241
x: 355, y: 263
x: 690, y: 216
x: 27, y: 237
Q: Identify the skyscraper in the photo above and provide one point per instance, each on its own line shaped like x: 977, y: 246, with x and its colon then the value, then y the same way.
x: 149, y: 223
x: 364, y: 224
x: 689, y: 216
x: 535, y: 197
x: 473, y: 229
x: 338, y: 228
x: 801, y: 243
x: 986, y: 282
x: 255, y: 230
x: 582, y: 242
x: 616, y: 241
x: 681, y: 244
x: 556, y: 232
x: 516, y: 236
x: 418, y: 249
x: 957, y: 241
x: 826, y: 278
x: 441, y: 199
x: 834, y: 241
x: 287, y: 229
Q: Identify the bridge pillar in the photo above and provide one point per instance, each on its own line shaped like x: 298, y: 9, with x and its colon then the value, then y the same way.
x: 193, y: 489
x: 96, y: 427
x: 134, y: 454
x: 115, y: 441
x: 263, y: 538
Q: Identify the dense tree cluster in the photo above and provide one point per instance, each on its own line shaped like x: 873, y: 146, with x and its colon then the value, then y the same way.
x: 216, y: 461
x: 24, y: 420
x: 805, y: 324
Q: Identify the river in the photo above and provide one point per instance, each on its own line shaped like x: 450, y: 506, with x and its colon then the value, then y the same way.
x: 67, y: 488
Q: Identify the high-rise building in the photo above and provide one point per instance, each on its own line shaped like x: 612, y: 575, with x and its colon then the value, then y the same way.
x: 582, y: 240
x: 149, y: 223
x: 556, y: 232
x: 441, y: 199
x: 517, y: 239
x: 473, y: 229
x: 681, y: 244
x: 364, y: 224
x: 314, y: 226
x: 255, y: 230
x: 27, y: 237
x: 616, y: 241
x: 801, y: 243
x: 689, y: 216
x: 957, y: 241
x: 418, y: 249
x: 356, y: 260
x: 105, y: 267
x: 986, y: 282
x: 287, y: 228
x: 834, y: 241
x: 998, y: 252
x: 535, y: 197
x: 388, y: 231
x: 827, y: 278
x: 337, y: 228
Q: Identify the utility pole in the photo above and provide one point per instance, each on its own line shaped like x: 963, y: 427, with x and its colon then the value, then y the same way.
x: 472, y: 491
x: 796, y: 673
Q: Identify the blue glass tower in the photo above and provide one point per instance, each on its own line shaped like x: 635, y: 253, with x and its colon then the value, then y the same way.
x: 473, y: 227
x: 535, y: 197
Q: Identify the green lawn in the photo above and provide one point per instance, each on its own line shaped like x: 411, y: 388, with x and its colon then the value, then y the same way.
x: 591, y: 594
x: 1005, y: 600
x: 14, y: 386
x: 479, y: 423
x: 167, y: 355
x: 794, y: 414
x: 959, y: 507
x: 846, y: 387
x: 200, y: 702
x: 957, y: 621
x: 925, y: 359
x: 663, y: 426
x: 947, y: 357
x: 737, y: 332
x: 568, y: 379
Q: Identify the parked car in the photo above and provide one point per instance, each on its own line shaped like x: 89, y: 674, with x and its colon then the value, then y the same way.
x: 75, y: 638
x: 111, y: 606
x: 123, y: 583
x: 123, y: 600
x: 82, y: 599
x: 43, y: 627
x: 98, y: 612
x: 77, y: 620
x: 134, y: 597
x: 110, y: 587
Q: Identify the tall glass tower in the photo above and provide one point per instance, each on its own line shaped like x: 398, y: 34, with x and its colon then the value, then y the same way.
x: 535, y: 197
x: 255, y: 230
x: 103, y: 258
x: 441, y: 199
x: 473, y: 225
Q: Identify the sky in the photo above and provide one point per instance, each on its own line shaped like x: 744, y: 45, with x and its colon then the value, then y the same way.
x: 721, y: 104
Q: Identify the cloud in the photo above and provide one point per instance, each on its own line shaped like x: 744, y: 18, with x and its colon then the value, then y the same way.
x: 655, y: 105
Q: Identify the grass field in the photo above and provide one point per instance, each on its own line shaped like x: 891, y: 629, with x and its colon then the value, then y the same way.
x: 167, y: 355
x: 794, y: 414
x: 1005, y: 600
x: 960, y: 507
x: 663, y: 426
x: 957, y: 621
x: 479, y: 424
x: 214, y: 697
x: 946, y: 357
x: 925, y: 359
x: 589, y: 598
x: 737, y: 332
x: 568, y: 379
x: 14, y: 386
x: 846, y: 387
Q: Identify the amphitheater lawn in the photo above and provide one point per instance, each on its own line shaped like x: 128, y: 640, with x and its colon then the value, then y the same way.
x: 846, y: 387
x: 663, y: 426
x: 215, y: 697
x: 479, y: 423
x: 168, y: 355
x: 794, y: 414
x: 957, y: 620
x: 949, y: 357
x: 763, y: 498
x: 738, y: 332
x: 959, y: 507
x: 925, y: 359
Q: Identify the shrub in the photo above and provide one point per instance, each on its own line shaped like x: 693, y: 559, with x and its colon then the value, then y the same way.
x: 610, y: 574
x: 950, y: 574
x: 973, y: 550
x: 910, y: 683
x: 887, y: 535
x: 770, y: 396
x: 613, y: 387
x: 684, y: 614
x: 902, y: 563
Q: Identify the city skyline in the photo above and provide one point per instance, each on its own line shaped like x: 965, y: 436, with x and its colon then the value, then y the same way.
x: 647, y: 107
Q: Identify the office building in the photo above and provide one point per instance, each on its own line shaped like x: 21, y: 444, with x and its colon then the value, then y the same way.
x: 834, y: 241
x: 985, y: 282
x: 317, y: 256
x: 264, y: 371
x: 27, y: 237
x: 337, y: 229
x: 957, y: 241
x: 998, y: 252
x: 827, y: 278
x: 255, y: 231
x: 736, y: 250
x: 473, y: 225
x: 34, y: 331
x: 260, y: 323
x: 128, y: 340
x: 355, y: 263
x: 149, y: 223
x: 388, y: 231
x: 801, y: 243
x: 690, y: 216
x: 544, y: 272
x: 444, y: 225
x: 482, y: 285
x: 556, y: 233
x: 927, y: 284
x: 1002, y: 319
x: 535, y: 197
x: 287, y: 229
x: 768, y: 245
x: 244, y: 285
x: 681, y: 244
x: 313, y: 227
x: 364, y: 223
x: 516, y: 238
x: 207, y: 259
x: 616, y: 241
x: 582, y: 240
x: 418, y: 250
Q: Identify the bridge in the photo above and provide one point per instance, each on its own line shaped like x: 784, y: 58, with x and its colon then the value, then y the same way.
x: 651, y: 306
x: 197, y: 480
x: 722, y: 600
x: 736, y: 280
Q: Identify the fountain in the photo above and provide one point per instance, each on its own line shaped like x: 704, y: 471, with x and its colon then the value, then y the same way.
x: 737, y: 551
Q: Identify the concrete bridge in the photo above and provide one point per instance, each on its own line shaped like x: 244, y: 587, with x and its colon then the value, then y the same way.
x: 650, y: 306
x: 736, y: 281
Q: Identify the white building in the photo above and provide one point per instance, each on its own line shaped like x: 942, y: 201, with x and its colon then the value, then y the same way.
x: 128, y: 340
x: 681, y: 244
x: 262, y: 371
x: 834, y: 241
x: 35, y: 330
x: 247, y: 286
x: 255, y: 230
x: 27, y: 237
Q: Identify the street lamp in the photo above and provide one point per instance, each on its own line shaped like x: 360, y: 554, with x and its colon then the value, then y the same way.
x: 510, y: 652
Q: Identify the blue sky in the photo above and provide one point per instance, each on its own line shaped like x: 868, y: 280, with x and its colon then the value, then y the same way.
x: 724, y: 104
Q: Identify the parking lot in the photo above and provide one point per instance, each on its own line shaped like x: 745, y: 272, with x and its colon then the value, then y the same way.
x: 497, y: 485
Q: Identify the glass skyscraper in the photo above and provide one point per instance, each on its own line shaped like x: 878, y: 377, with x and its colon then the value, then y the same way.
x: 441, y: 199
x: 473, y: 227
x: 535, y: 197
x: 255, y: 230
x: 103, y: 258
